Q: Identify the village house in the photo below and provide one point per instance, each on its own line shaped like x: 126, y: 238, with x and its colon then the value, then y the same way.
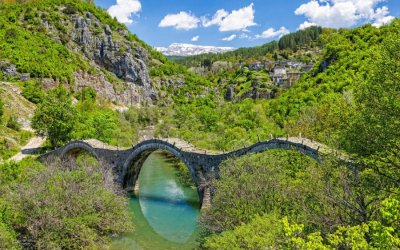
x: 292, y: 78
x: 279, y: 71
x: 295, y: 65
x: 257, y: 66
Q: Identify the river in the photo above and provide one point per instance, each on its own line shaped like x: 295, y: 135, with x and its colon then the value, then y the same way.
x: 164, y: 212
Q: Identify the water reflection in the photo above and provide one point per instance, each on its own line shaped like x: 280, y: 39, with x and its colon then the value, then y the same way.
x: 165, y: 212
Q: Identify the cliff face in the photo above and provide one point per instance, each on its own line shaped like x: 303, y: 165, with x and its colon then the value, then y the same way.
x: 111, y: 50
x: 127, y: 61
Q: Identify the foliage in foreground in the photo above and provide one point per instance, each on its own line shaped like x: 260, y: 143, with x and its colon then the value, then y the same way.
x: 269, y: 231
x: 355, y: 206
x: 63, y: 205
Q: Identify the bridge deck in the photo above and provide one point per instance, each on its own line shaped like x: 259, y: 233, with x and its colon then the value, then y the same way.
x: 190, y: 148
x: 180, y: 144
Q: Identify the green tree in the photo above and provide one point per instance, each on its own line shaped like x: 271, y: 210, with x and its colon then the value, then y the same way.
x: 55, y: 117
x: 104, y: 124
x: 377, y: 121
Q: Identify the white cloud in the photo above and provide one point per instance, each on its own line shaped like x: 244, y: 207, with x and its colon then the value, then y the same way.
x: 344, y: 13
x: 124, y: 9
x: 306, y: 25
x: 239, y: 19
x: 271, y: 33
x: 180, y: 21
x: 382, y: 17
x: 244, y: 36
x: 195, y: 38
x: 216, y: 20
x: 229, y: 38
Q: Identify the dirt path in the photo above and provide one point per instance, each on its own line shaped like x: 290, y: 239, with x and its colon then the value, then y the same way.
x: 33, y: 145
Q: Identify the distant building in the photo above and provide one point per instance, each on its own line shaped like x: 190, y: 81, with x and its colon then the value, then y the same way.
x: 257, y: 66
x: 295, y: 65
x: 279, y: 71
x: 292, y: 78
x: 284, y: 63
x: 279, y: 80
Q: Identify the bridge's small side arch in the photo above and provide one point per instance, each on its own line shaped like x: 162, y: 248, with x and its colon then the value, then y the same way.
x: 277, y: 144
x: 134, y: 162
x: 73, y: 148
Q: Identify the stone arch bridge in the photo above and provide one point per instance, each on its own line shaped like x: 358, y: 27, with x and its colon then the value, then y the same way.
x: 202, y: 164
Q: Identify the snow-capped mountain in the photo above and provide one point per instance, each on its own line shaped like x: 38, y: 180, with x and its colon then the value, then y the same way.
x: 184, y: 49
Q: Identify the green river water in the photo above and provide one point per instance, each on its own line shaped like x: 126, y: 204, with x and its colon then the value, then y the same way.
x: 165, y: 213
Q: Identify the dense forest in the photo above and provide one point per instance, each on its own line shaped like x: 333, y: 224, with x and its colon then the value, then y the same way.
x: 349, y: 100
x: 294, y: 41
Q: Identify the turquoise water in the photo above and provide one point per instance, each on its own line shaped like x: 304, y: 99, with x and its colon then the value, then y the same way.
x: 165, y: 213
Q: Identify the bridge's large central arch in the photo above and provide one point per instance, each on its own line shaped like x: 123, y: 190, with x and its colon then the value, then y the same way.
x: 134, y: 162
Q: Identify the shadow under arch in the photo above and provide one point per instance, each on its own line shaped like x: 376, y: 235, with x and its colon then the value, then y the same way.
x: 264, y: 146
x: 74, y: 148
x: 134, y: 163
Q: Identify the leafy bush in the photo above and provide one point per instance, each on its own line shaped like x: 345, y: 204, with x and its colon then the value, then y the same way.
x: 70, y: 9
x: 7, y: 148
x: 8, y: 237
x: 67, y: 205
x: 86, y: 94
x: 262, y: 232
x: 275, y: 181
x: 13, y: 123
x: 33, y: 91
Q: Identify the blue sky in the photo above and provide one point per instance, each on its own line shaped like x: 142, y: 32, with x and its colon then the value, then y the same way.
x: 241, y: 23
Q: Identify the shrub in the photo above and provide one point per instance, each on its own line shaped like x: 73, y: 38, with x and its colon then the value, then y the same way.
x: 68, y: 205
x: 13, y: 123
x: 33, y: 92
x: 70, y: 9
x: 10, y: 34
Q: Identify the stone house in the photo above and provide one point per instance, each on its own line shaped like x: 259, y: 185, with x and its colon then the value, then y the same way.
x: 280, y: 71
x: 257, y: 66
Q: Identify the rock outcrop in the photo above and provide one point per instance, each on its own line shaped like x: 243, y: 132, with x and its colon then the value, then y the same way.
x: 132, y: 95
x: 126, y: 61
x: 10, y: 71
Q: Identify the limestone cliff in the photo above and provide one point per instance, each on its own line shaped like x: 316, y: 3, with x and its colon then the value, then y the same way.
x: 126, y: 60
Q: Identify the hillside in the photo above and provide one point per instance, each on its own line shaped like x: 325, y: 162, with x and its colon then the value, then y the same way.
x: 47, y: 44
x: 76, y: 43
x: 16, y: 113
